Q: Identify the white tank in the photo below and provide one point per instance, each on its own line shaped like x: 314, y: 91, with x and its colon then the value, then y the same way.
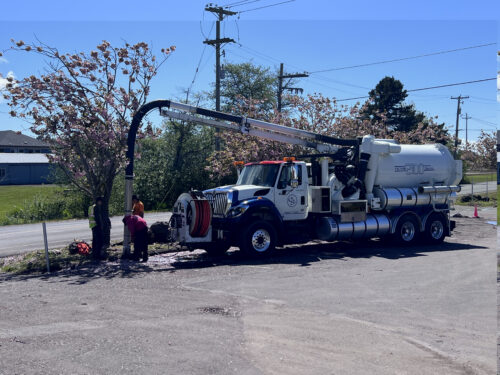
x: 394, y: 165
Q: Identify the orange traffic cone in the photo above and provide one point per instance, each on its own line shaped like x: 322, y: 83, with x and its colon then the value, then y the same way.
x: 475, y: 212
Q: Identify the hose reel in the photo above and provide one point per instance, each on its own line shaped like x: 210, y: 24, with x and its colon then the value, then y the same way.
x: 198, y: 213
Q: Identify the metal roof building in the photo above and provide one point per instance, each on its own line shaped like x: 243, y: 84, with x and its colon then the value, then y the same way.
x: 23, y: 160
x: 11, y: 141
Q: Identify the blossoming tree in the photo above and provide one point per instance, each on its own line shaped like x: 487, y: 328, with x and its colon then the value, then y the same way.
x: 82, y: 104
x: 320, y: 115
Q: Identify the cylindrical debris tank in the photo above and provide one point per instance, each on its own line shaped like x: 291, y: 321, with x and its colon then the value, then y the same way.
x: 395, y: 165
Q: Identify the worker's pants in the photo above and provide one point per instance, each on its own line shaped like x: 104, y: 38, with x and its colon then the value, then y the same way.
x: 141, y: 244
x: 97, y: 242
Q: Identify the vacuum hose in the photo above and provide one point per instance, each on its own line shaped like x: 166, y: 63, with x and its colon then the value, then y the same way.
x: 202, y: 216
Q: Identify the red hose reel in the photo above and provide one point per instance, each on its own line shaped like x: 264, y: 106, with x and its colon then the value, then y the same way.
x: 201, y: 216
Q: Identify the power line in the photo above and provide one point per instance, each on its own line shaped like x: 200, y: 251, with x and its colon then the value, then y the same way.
x: 235, y: 3
x: 487, y: 123
x: 197, y: 70
x: 271, y: 59
x: 428, y: 88
x: 402, y: 58
x: 244, y: 3
x: 266, y: 6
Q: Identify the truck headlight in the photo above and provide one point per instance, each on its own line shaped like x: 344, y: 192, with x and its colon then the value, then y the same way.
x: 237, y: 210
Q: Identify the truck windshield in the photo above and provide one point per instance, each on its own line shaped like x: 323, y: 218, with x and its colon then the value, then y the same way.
x: 259, y: 174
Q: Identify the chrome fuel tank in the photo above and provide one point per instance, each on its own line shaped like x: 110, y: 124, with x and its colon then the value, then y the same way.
x: 331, y: 229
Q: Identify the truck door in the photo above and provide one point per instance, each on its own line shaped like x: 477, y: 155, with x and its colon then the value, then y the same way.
x: 290, y: 194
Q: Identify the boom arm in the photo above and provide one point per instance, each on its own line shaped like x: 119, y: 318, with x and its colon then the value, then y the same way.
x: 257, y: 128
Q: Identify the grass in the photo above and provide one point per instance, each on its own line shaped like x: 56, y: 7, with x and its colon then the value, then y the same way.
x: 481, y: 200
x: 15, y: 196
x: 476, y: 178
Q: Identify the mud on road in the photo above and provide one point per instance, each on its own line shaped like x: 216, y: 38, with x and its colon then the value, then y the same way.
x: 345, y: 308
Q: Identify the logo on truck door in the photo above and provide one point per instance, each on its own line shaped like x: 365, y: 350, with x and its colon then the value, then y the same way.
x: 413, y: 168
x: 291, y: 200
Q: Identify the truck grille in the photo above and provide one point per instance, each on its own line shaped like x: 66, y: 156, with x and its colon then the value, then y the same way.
x: 218, y: 201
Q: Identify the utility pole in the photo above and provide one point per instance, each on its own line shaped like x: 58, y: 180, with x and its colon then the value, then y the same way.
x: 282, y: 87
x: 467, y: 118
x: 459, y: 110
x: 219, y: 12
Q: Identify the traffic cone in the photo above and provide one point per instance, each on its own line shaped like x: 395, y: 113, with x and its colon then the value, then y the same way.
x: 475, y: 212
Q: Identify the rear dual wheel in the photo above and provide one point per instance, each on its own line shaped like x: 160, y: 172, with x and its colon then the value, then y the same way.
x: 435, y: 228
x: 407, y: 231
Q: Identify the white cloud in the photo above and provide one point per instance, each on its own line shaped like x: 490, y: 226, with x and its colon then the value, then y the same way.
x: 3, y: 60
x: 3, y: 82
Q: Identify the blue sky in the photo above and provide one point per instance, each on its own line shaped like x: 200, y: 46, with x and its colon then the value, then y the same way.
x: 305, y: 35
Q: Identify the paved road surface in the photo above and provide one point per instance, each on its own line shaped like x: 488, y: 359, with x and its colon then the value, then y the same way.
x: 313, y: 309
x: 16, y: 239
x: 481, y: 187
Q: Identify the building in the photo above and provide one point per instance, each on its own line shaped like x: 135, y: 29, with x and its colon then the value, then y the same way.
x: 23, y: 160
x: 11, y: 141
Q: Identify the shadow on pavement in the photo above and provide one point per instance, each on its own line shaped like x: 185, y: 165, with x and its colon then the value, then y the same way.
x: 300, y: 255
x: 306, y: 254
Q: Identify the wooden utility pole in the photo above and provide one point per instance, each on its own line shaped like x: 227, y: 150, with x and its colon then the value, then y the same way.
x: 220, y: 13
x: 282, y: 87
x: 467, y: 118
x: 459, y: 110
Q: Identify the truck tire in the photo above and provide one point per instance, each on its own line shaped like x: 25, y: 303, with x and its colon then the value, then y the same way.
x: 259, y: 239
x: 407, y: 231
x: 217, y: 249
x: 435, y: 229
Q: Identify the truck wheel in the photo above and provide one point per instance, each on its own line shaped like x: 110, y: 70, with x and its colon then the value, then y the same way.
x: 217, y: 249
x: 435, y: 228
x: 259, y: 239
x: 407, y: 231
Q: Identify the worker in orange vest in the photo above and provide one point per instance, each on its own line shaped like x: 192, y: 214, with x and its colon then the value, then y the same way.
x: 138, y: 206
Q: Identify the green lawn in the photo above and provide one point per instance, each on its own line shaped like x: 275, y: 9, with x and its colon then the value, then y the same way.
x: 13, y: 196
x: 468, y: 178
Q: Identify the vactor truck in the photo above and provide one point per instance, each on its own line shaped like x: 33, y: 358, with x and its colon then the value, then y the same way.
x: 347, y: 189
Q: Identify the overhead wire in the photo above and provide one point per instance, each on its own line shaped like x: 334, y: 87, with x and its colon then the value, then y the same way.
x: 401, y: 59
x: 266, y: 6
x: 243, y: 3
x: 199, y: 63
x: 275, y: 60
x: 235, y: 3
x: 429, y: 88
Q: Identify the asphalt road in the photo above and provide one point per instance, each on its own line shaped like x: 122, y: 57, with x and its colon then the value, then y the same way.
x: 363, y: 308
x: 481, y: 187
x: 17, y: 239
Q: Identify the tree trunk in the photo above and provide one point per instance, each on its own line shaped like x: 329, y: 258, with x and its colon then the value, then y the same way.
x: 106, y: 230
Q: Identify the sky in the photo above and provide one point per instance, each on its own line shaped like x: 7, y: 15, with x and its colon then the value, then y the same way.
x: 304, y: 35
